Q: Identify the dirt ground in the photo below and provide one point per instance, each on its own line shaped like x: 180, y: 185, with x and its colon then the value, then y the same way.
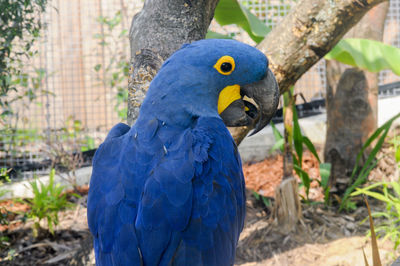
x: 323, y: 237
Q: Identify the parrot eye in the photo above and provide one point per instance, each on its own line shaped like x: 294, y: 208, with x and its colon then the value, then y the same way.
x: 225, y: 65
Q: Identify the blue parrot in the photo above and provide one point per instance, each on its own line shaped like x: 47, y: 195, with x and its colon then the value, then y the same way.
x: 170, y: 189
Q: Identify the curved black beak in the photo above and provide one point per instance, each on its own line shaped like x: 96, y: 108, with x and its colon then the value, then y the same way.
x: 265, y: 94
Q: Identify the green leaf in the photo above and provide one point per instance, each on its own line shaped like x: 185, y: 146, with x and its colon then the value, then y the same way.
x: 232, y: 12
x: 325, y: 172
x: 385, y: 127
x: 215, y: 35
x: 305, y: 178
x: 280, y: 141
x: 297, y: 136
x: 362, y: 177
x: 376, y: 195
x: 256, y: 195
x: 277, y: 135
x: 311, y: 147
x: 361, y: 190
x: 278, y: 145
x: 397, y: 154
x: 371, y: 55
x: 97, y: 67
x: 396, y: 187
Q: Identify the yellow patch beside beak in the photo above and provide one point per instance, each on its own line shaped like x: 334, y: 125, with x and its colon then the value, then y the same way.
x: 227, y: 96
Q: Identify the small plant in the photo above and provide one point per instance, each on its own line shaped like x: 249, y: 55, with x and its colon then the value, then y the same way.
x: 266, y: 201
x: 47, y: 202
x: 325, y: 172
x: 65, y: 149
x: 389, y: 193
x: 4, y: 175
x: 299, y: 140
x: 360, y: 172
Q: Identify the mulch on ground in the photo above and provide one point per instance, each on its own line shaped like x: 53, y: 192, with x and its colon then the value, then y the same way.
x: 263, y: 177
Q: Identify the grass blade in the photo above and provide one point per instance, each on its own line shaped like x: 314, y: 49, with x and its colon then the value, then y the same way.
x: 297, y: 136
x: 311, y: 147
x: 365, y: 258
x: 376, y: 261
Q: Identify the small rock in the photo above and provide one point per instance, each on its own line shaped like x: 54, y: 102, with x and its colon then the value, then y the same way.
x: 351, y: 226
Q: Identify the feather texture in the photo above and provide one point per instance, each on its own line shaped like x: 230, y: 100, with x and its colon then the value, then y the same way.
x: 170, y: 189
x: 167, y: 206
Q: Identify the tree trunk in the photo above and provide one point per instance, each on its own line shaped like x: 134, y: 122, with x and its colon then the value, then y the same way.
x: 304, y: 36
x: 352, y: 98
x: 159, y: 29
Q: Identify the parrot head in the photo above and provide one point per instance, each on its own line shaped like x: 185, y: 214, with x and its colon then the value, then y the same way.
x: 214, y: 77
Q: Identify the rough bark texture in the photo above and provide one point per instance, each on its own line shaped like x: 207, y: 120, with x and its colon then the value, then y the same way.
x: 287, y: 209
x: 156, y: 32
x: 306, y: 34
x: 349, y: 115
x: 352, y: 98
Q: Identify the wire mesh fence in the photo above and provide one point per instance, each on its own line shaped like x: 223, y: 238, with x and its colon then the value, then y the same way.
x: 80, y: 80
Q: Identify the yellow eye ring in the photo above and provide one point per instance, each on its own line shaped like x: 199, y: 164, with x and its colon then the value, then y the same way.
x: 225, y: 65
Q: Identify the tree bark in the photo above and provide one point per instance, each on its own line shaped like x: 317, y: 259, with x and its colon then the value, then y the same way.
x: 304, y: 36
x: 159, y: 29
x: 352, y: 99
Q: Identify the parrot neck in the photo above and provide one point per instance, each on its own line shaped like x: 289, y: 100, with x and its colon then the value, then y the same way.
x: 170, y: 111
x: 179, y: 96
x: 177, y: 108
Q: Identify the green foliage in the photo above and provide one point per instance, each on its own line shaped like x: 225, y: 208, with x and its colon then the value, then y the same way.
x: 360, y: 172
x: 19, y: 29
x: 88, y: 144
x: 3, y: 211
x: 395, y: 141
x: 47, y: 202
x: 389, y: 193
x: 73, y: 131
x: 4, y: 175
x: 14, y: 108
x: 215, y: 35
x: 233, y: 12
x: 325, y: 172
x: 279, y: 139
x: 266, y: 201
x: 114, y: 73
x: 299, y: 140
x: 371, y: 55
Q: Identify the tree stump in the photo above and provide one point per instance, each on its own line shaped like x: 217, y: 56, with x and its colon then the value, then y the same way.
x: 287, y: 210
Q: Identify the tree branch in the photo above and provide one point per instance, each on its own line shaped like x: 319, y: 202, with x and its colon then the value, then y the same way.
x: 305, y: 35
